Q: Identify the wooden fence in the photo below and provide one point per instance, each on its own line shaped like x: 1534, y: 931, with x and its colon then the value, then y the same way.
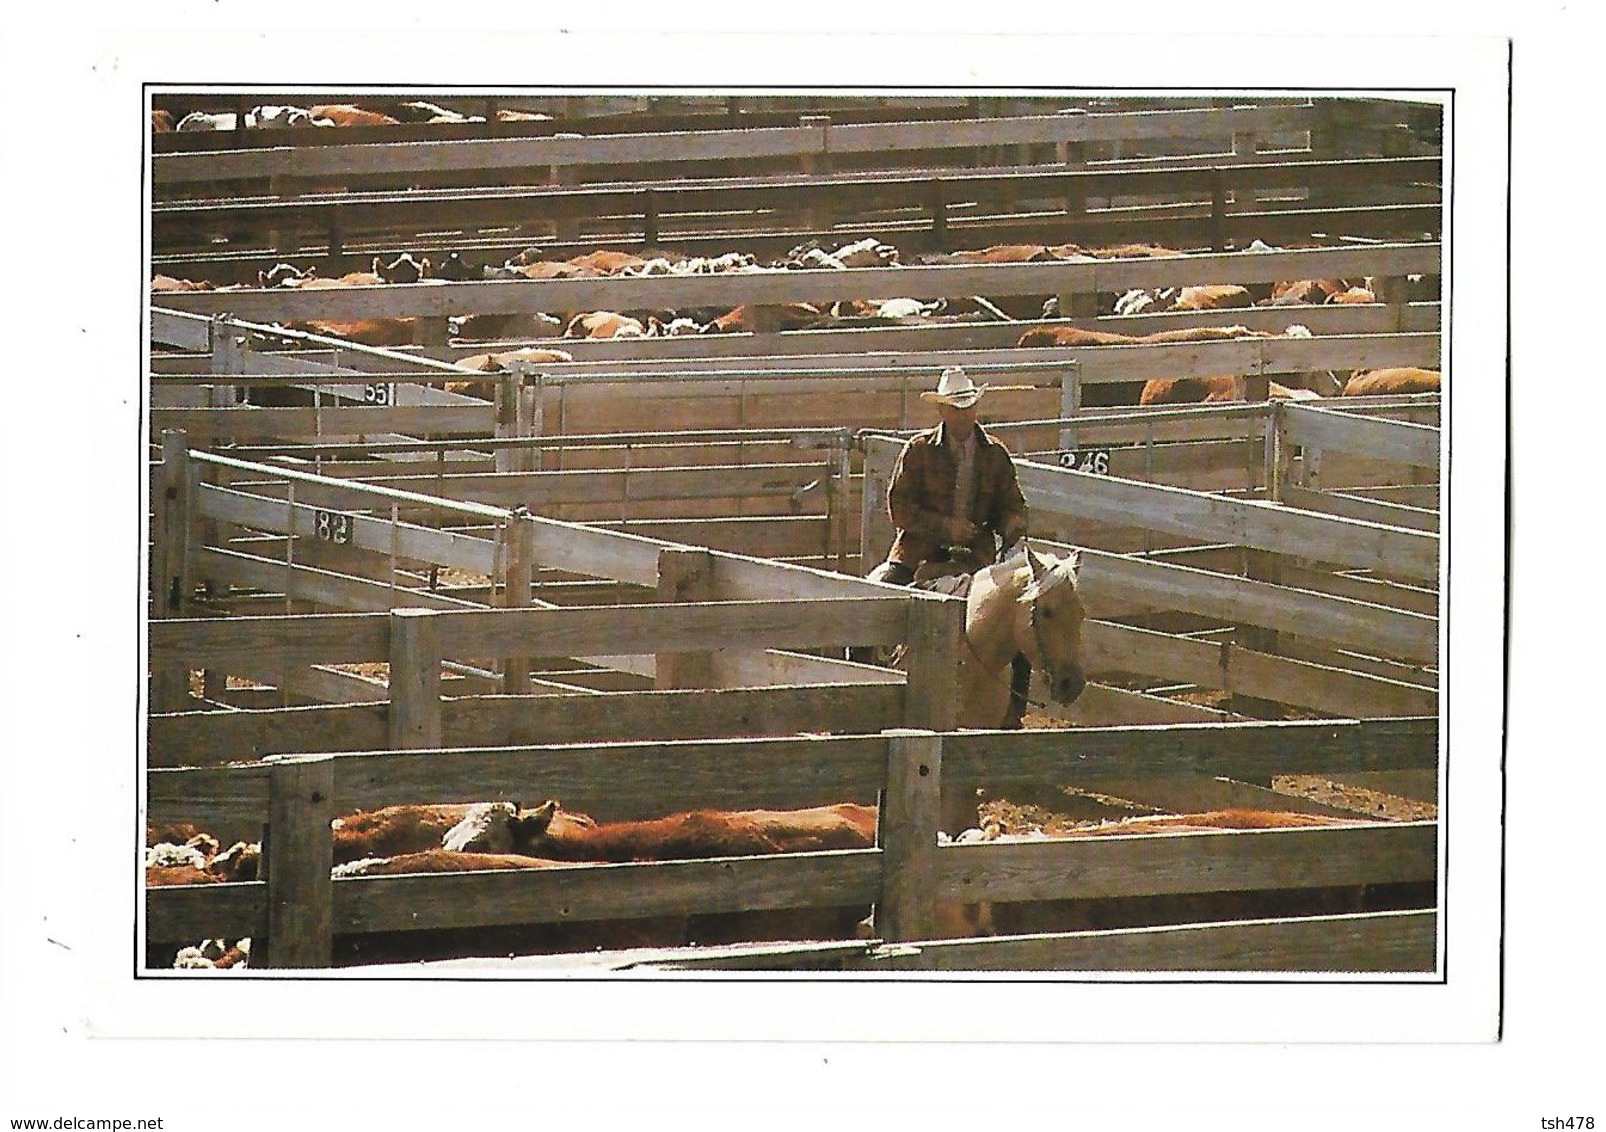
x: 1065, y: 278
x: 294, y: 914
x: 346, y: 520
x: 822, y: 140
x: 1192, y: 206
x: 297, y: 909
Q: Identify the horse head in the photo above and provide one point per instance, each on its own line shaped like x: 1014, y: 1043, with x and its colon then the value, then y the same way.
x: 1048, y: 622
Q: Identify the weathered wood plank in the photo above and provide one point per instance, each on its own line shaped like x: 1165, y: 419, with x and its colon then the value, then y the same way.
x: 607, y: 892
x: 367, y: 532
x: 1200, y: 795
x: 1094, y: 868
x: 322, y: 587
x: 1251, y: 751
x: 214, y: 738
x: 185, y: 914
x: 1397, y: 441
x: 1366, y: 510
x: 1117, y: 585
x: 1251, y: 523
x: 231, y: 803
x: 289, y: 160
x: 1102, y: 706
x: 332, y: 638
x: 334, y: 423
x: 1374, y: 942
x: 1122, y: 648
x: 599, y: 717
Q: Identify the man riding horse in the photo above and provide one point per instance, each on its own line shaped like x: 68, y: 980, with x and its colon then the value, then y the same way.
x: 955, y: 502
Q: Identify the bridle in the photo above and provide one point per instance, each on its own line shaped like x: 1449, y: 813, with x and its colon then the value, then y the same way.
x: 1042, y: 666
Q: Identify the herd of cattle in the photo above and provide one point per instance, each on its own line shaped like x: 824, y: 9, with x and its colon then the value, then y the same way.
x: 414, y: 839
x: 868, y: 252
x: 394, y: 113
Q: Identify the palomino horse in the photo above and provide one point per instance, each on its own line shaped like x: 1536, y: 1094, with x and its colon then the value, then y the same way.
x: 1030, y: 604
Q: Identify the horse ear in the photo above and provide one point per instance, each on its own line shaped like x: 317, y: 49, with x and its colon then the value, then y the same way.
x: 1037, y: 565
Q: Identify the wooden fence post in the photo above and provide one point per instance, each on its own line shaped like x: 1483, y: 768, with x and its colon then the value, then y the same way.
x: 170, y: 567
x: 565, y: 229
x: 649, y: 218
x: 1279, y: 453
x: 1245, y: 149
x: 228, y: 359
x: 297, y: 853
x: 937, y: 198
x: 1072, y: 157
x: 508, y: 387
x: 906, y: 832
x: 1070, y: 402
x: 875, y: 525
x: 931, y: 696
x: 684, y: 575
x: 1262, y: 566
x: 818, y: 215
x: 1392, y: 291
x: 520, y: 573
x: 415, y: 680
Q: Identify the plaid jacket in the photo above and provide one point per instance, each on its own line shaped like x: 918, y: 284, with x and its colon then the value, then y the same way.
x: 921, y: 497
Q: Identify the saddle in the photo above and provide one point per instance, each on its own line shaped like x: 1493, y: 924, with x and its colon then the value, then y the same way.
x: 943, y: 577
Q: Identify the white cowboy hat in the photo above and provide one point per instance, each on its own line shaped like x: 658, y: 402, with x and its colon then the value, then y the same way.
x: 955, y: 388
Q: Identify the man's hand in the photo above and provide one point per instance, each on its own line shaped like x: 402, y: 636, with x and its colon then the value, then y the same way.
x: 959, y: 530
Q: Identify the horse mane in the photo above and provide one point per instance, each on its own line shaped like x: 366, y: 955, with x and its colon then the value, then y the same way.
x: 1056, y: 572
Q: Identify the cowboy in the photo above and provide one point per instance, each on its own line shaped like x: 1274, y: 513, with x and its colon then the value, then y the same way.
x: 954, y: 499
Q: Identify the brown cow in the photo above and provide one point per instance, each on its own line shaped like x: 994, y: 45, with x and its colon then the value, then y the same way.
x: 550, y: 832
x: 501, y: 363
x: 439, y: 861
x: 547, y: 269
x: 1076, y: 336
x: 161, y: 121
x: 604, y: 324
x: 166, y: 285
x: 394, y: 830
x: 1400, y: 379
x: 998, y: 253
x: 366, y: 331
x: 1072, y: 336
x: 1306, y: 291
x: 1213, y: 297
x: 1119, y: 251
x: 746, y: 319
x: 1353, y: 295
x: 345, y: 114
x: 196, y: 860
x: 1191, y: 390
x: 606, y: 261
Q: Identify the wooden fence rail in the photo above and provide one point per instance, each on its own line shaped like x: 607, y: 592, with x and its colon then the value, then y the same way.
x: 817, y: 141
